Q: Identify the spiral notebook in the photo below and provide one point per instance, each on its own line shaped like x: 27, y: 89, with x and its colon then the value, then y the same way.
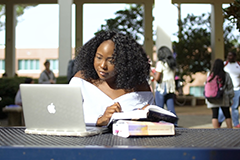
x: 55, y: 109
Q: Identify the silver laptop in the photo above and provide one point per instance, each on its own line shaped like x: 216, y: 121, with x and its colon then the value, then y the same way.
x: 55, y: 109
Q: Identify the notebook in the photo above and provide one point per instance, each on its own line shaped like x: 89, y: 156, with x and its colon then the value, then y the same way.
x: 55, y: 109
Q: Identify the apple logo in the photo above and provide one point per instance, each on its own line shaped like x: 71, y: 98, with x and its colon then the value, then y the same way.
x: 51, y: 108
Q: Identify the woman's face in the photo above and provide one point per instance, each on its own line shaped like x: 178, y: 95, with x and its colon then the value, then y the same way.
x: 103, y: 60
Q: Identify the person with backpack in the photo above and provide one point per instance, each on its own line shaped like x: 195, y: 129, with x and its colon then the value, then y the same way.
x: 217, y: 81
x: 233, y: 68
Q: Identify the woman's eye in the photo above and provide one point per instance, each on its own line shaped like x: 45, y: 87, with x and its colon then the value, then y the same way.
x: 110, y: 61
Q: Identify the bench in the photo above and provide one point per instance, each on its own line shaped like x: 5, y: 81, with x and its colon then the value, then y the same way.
x: 193, y: 99
x: 15, y: 115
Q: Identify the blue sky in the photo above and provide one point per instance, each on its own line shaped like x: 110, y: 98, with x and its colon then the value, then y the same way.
x: 38, y: 27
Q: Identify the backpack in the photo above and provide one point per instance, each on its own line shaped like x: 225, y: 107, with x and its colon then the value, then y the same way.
x: 214, y: 88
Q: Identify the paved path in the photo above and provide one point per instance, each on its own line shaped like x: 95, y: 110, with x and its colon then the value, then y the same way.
x: 195, y: 117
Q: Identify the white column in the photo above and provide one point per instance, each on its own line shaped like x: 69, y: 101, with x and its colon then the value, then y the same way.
x: 217, y: 41
x: 79, y: 24
x: 10, y: 60
x: 148, y: 20
x: 163, y: 21
x: 65, y: 34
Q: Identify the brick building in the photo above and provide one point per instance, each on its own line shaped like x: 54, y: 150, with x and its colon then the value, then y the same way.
x: 29, y: 62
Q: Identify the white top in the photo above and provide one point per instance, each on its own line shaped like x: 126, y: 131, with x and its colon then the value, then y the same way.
x: 167, y: 77
x: 234, y: 71
x: 95, y: 101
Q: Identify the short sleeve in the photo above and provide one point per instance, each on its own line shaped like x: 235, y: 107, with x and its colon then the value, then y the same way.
x: 159, y: 66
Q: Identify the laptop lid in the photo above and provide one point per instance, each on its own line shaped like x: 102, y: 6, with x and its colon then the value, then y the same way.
x: 54, y: 109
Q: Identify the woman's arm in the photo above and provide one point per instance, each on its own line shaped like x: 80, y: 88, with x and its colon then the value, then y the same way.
x: 156, y: 76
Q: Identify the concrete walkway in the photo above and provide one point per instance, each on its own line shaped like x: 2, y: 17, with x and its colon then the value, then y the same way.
x: 195, y: 117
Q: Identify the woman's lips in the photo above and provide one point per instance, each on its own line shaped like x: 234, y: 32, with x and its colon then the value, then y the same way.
x: 102, y: 73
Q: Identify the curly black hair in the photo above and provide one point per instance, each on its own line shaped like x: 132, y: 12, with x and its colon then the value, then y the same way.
x: 129, y: 58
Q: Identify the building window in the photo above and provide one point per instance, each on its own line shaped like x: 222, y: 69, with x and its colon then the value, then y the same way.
x: 53, y: 64
x: 28, y: 64
x: 2, y: 64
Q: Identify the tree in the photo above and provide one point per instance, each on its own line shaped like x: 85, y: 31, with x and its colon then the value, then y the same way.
x: 19, y: 11
x: 128, y: 21
x: 193, y: 48
x: 232, y: 13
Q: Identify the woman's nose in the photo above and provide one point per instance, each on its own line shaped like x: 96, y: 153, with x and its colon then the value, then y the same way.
x: 103, y: 65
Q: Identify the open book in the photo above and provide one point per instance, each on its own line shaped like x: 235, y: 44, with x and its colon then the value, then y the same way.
x: 151, y: 113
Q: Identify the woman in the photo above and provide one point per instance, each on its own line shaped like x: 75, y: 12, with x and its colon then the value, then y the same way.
x: 164, y: 75
x: 225, y: 102
x: 112, y: 71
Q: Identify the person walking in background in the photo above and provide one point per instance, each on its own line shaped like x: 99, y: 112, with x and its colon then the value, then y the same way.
x: 164, y: 75
x: 47, y: 76
x: 233, y: 68
x: 224, y: 102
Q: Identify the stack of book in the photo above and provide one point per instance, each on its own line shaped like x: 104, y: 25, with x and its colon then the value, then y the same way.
x: 153, y: 120
x: 126, y: 128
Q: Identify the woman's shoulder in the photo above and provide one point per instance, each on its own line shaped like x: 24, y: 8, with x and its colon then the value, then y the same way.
x: 78, y: 77
x: 79, y: 74
x: 159, y: 63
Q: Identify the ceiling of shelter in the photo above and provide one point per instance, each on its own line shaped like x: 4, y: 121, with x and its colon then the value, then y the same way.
x: 82, y: 1
x: 111, y: 1
x: 202, y: 1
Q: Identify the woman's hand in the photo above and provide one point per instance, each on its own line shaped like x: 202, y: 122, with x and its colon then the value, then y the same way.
x: 145, y: 107
x: 104, y: 119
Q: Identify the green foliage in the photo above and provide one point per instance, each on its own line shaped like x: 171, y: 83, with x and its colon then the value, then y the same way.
x: 128, y: 21
x: 194, y: 46
x: 193, y: 49
x: 232, y: 13
x: 62, y: 80
x: 19, y: 11
x: 10, y: 86
x: 8, y: 90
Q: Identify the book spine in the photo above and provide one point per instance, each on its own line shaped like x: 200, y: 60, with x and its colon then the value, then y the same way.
x: 153, y: 129
x: 126, y: 129
x: 156, y: 117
